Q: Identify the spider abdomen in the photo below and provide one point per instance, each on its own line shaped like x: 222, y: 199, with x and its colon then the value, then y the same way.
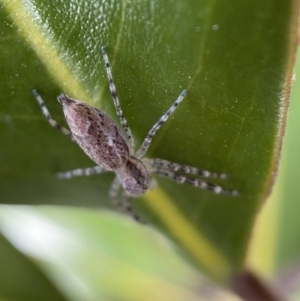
x: 96, y: 133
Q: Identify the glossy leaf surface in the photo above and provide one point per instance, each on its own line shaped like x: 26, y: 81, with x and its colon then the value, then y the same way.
x: 235, y: 59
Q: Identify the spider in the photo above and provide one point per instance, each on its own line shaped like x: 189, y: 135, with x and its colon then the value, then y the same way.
x: 112, y: 148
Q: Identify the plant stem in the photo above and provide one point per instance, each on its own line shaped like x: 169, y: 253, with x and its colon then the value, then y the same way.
x: 247, y: 285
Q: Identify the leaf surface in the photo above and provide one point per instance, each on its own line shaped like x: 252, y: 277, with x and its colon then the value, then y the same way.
x: 234, y: 58
x: 22, y: 280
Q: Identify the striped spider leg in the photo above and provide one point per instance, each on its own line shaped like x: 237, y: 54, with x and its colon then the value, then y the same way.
x: 179, y: 172
x: 111, y: 147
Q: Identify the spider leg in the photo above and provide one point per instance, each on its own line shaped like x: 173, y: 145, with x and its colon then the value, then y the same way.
x: 167, y: 165
x: 81, y: 172
x: 114, y: 95
x: 194, y: 182
x: 51, y: 121
x: 123, y: 203
x: 128, y: 208
x: 144, y: 147
x: 113, y: 192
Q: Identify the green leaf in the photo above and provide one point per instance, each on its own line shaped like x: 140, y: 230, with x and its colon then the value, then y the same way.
x: 284, y: 214
x: 288, y: 243
x: 275, y: 249
x: 235, y: 59
x: 20, y: 279
x: 101, y: 256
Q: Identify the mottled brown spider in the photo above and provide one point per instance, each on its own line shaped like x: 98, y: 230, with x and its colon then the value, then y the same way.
x: 112, y: 148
